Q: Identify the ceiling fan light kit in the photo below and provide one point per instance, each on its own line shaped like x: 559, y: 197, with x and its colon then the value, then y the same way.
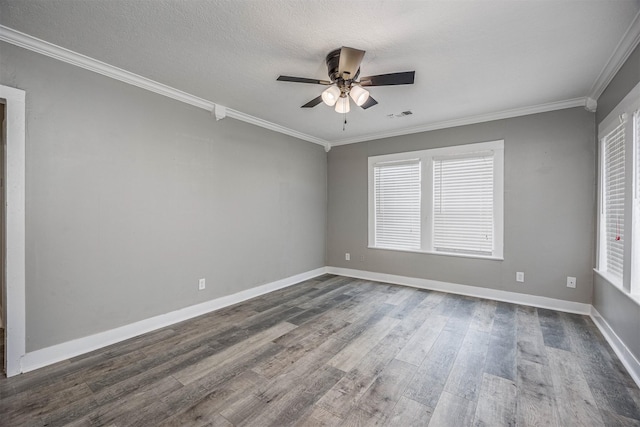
x: 343, y: 67
x: 359, y: 95
x: 342, y: 106
x: 330, y: 95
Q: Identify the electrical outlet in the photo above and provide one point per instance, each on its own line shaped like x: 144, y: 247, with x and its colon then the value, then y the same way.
x: 347, y: 256
x: 520, y: 276
x: 201, y: 284
x: 571, y: 282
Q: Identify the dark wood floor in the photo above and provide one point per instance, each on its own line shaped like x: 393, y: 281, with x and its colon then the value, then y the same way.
x: 336, y: 351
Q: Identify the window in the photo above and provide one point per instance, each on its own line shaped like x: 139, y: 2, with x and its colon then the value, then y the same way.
x: 444, y: 200
x: 463, y: 204
x: 397, y: 204
x: 619, y: 195
x: 613, y: 202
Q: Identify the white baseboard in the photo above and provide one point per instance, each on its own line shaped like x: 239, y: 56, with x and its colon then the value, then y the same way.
x: 473, y: 291
x: 59, y: 352
x: 626, y: 357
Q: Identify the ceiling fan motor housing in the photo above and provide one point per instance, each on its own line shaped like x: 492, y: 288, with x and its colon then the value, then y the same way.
x: 333, y: 63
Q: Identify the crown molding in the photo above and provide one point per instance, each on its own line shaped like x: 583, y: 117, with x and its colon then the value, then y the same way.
x: 621, y: 53
x: 17, y: 38
x: 238, y: 115
x: 516, y: 112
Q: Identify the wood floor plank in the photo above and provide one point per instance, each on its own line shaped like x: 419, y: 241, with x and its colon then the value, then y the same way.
x: 465, y: 378
x: 243, y: 408
x: 406, y: 307
x: 383, y: 394
x: 501, y: 357
x: 482, y: 319
x: 536, y: 401
x: 324, y: 325
x: 361, y: 418
x: 284, y: 405
x: 576, y: 405
x: 360, y: 346
x: 553, y: 330
x: 312, y: 313
x: 420, y: 344
x: 612, y: 419
x: 496, y: 403
x: 124, y: 411
x: 430, y: 378
x: 461, y: 315
x: 192, y: 351
x: 453, y: 411
x: 203, y: 367
x: 342, y: 287
x: 130, y: 345
x: 530, y: 340
x: 301, y: 398
x: 610, y: 395
x: 305, y: 365
x: 294, y: 351
x: 401, y: 296
x: 190, y: 395
x: 214, y: 401
x: 318, y: 417
x: 409, y: 413
x: 42, y: 405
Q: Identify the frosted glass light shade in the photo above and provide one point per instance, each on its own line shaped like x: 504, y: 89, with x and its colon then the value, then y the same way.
x: 331, y: 95
x: 359, y: 95
x: 342, y: 106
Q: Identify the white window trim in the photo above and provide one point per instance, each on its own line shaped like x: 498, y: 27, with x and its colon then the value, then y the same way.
x: 628, y: 106
x: 426, y: 157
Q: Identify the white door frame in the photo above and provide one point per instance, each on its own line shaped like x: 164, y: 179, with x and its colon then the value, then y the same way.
x: 14, y: 293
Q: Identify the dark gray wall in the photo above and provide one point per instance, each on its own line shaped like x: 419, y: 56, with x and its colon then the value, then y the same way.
x: 617, y: 308
x: 132, y: 197
x: 549, y: 206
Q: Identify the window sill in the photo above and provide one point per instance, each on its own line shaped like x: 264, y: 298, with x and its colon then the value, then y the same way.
x: 633, y: 297
x: 415, y: 251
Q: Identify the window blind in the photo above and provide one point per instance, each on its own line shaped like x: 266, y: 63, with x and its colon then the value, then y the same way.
x: 397, y: 204
x: 613, y: 203
x: 463, y: 205
x: 636, y: 142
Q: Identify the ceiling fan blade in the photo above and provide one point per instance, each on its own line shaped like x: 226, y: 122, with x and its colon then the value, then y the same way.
x: 302, y: 80
x: 404, y: 78
x: 369, y: 103
x: 350, y: 60
x: 313, y: 102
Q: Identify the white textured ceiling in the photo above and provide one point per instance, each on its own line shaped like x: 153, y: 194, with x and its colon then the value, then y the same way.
x: 471, y: 57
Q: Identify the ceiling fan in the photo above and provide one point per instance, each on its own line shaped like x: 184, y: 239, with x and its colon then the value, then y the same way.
x: 344, y: 69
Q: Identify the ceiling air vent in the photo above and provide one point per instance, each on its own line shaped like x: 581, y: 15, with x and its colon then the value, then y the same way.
x: 402, y: 114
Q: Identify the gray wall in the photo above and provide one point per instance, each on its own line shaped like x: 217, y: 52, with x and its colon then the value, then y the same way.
x: 549, y: 206
x: 132, y: 197
x: 620, y: 312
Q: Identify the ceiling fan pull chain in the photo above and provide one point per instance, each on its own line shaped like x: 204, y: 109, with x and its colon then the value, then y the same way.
x: 344, y: 125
